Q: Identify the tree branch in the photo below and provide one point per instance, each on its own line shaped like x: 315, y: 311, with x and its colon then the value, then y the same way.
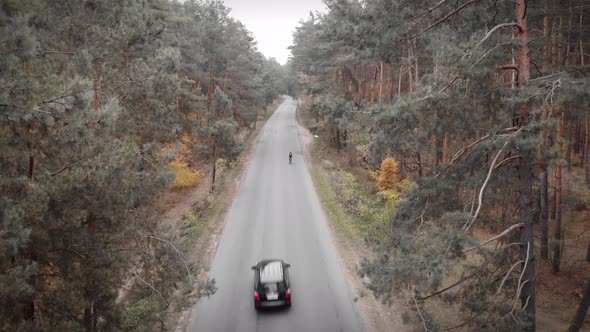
x: 47, y: 101
x: 450, y: 14
x: 506, y: 231
x: 428, y: 11
x: 481, y: 191
x: 426, y: 329
x: 520, y: 283
x: 175, y: 249
x: 65, y: 167
x: 506, y: 277
x: 499, y: 26
x: 465, y: 278
x: 507, y: 160
x: 461, y: 152
x: 152, y: 287
x: 507, y: 67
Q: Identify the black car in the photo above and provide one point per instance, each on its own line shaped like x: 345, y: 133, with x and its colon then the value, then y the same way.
x: 272, y: 287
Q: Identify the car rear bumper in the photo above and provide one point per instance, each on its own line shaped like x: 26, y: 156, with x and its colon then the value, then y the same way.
x: 270, y: 304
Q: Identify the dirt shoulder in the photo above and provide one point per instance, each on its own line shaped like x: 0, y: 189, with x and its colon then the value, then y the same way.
x: 351, y: 251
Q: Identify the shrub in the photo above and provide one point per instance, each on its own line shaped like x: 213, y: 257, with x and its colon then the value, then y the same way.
x: 185, y: 176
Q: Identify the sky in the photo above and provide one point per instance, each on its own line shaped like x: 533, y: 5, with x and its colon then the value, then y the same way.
x: 272, y: 22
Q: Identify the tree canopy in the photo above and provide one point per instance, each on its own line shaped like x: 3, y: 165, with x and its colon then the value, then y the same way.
x: 93, y: 92
x: 473, y: 99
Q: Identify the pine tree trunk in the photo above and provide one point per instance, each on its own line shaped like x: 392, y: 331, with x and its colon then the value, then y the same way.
x: 338, y: 140
x: 214, y: 154
x: 560, y: 43
x: 568, y: 153
x: 381, y: 83
x: 558, y: 191
x: 31, y: 167
x: 527, y: 296
x: 525, y: 173
x: 445, y: 153
x: 588, y: 252
x: 547, y: 37
x: 586, y: 159
x: 419, y: 157
x: 95, y: 93
x: 225, y: 78
x: 89, y: 318
x: 399, y: 81
x: 581, y: 42
x: 438, y: 145
x: 578, y: 321
x: 544, y: 213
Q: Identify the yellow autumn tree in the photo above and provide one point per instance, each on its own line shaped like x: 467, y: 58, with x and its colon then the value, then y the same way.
x: 185, y: 176
x: 388, y: 176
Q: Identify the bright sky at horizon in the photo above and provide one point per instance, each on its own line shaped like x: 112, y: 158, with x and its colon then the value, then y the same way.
x: 272, y: 22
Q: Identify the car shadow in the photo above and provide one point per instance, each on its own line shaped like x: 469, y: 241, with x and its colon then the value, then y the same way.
x: 273, y: 310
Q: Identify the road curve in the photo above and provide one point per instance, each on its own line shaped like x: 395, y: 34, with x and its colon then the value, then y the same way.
x: 277, y: 214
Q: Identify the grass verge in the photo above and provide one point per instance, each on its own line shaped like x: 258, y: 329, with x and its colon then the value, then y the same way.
x: 343, y: 222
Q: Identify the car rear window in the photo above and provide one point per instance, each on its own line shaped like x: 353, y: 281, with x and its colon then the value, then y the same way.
x: 270, y: 287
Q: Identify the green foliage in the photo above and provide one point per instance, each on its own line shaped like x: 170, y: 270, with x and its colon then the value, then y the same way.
x: 92, y: 93
x: 454, y: 113
x: 141, y: 315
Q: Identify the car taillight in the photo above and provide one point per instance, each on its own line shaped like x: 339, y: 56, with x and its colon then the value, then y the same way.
x: 288, y: 293
x: 256, y: 296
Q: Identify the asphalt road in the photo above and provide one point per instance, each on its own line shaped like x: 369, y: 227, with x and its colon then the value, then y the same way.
x: 277, y: 214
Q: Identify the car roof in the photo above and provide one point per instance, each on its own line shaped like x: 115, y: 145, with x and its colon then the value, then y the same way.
x: 271, y: 271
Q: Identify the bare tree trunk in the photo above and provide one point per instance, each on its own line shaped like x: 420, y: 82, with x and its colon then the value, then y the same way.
x: 581, y: 42
x: 586, y: 159
x: 31, y: 167
x: 89, y: 318
x: 399, y: 80
x: 547, y: 37
x: 438, y: 145
x: 558, y: 192
x: 525, y: 173
x: 588, y: 252
x: 338, y: 146
x: 214, y: 154
x: 568, y: 152
x: 95, y: 93
x: 578, y: 321
x: 445, y: 155
x: 415, y: 56
x: 381, y: 83
x: 544, y: 215
x: 419, y: 157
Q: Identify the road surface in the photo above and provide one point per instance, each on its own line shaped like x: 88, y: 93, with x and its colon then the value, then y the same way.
x: 277, y: 214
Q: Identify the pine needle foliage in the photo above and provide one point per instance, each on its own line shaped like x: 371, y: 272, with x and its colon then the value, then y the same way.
x: 470, y: 103
x: 92, y: 91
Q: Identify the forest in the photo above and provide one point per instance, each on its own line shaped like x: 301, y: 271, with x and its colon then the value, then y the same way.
x: 105, y: 105
x: 473, y: 117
